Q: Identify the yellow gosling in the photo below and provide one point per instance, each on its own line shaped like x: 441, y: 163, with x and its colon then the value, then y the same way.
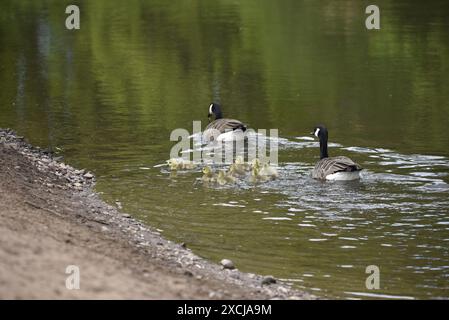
x: 208, y: 175
x: 268, y: 171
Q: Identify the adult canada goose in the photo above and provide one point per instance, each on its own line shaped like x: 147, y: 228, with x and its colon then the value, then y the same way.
x: 335, y: 168
x: 225, y: 128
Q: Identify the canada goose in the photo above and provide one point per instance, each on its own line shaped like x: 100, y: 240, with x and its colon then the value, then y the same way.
x: 236, y: 170
x: 180, y: 164
x: 268, y: 171
x: 262, y: 172
x: 255, y: 177
x: 255, y: 164
x: 239, y: 167
x: 221, y: 178
x: 208, y: 175
x: 224, y: 178
x: 225, y: 127
x: 335, y: 168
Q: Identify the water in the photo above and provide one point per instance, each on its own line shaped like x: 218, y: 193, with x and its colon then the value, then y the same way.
x: 110, y: 94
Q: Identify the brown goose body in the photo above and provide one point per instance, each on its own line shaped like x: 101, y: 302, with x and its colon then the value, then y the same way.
x: 329, y: 166
x: 225, y: 125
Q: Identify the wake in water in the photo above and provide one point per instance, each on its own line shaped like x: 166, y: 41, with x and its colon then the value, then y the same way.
x: 399, y: 209
x: 421, y: 172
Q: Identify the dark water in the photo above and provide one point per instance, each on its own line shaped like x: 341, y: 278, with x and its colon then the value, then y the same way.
x: 110, y: 94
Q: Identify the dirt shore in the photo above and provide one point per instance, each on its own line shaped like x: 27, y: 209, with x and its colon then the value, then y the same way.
x: 51, y: 218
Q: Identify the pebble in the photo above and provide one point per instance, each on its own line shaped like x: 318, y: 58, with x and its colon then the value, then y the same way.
x: 88, y: 175
x: 267, y: 280
x: 283, y: 290
x: 215, y: 295
x: 227, y: 264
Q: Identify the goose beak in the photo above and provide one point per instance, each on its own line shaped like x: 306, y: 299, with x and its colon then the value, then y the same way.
x: 312, y: 133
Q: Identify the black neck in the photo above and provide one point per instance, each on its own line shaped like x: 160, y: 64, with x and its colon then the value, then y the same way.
x: 323, y: 147
x: 218, y: 115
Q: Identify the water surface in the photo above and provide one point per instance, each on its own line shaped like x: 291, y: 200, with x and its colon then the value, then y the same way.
x: 110, y: 94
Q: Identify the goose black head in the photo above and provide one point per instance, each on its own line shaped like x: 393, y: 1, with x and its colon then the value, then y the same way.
x: 321, y: 133
x: 214, y: 110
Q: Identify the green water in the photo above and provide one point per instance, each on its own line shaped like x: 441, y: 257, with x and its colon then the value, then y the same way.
x: 110, y: 93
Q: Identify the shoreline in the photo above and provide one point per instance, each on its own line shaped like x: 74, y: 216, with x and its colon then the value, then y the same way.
x: 51, y: 217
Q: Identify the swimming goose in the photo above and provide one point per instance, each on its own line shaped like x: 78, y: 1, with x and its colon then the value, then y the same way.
x: 225, y: 177
x: 180, y: 164
x: 335, y: 168
x: 236, y: 171
x: 255, y: 176
x: 240, y: 161
x: 262, y: 172
x: 221, y: 178
x: 208, y: 175
x: 226, y: 127
x: 268, y: 171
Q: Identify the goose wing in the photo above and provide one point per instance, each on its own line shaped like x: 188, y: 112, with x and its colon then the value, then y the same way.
x: 328, y: 166
x: 224, y: 125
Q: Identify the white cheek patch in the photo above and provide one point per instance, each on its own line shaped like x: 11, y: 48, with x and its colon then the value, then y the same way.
x: 317, y: 131
x: 210, y: 108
